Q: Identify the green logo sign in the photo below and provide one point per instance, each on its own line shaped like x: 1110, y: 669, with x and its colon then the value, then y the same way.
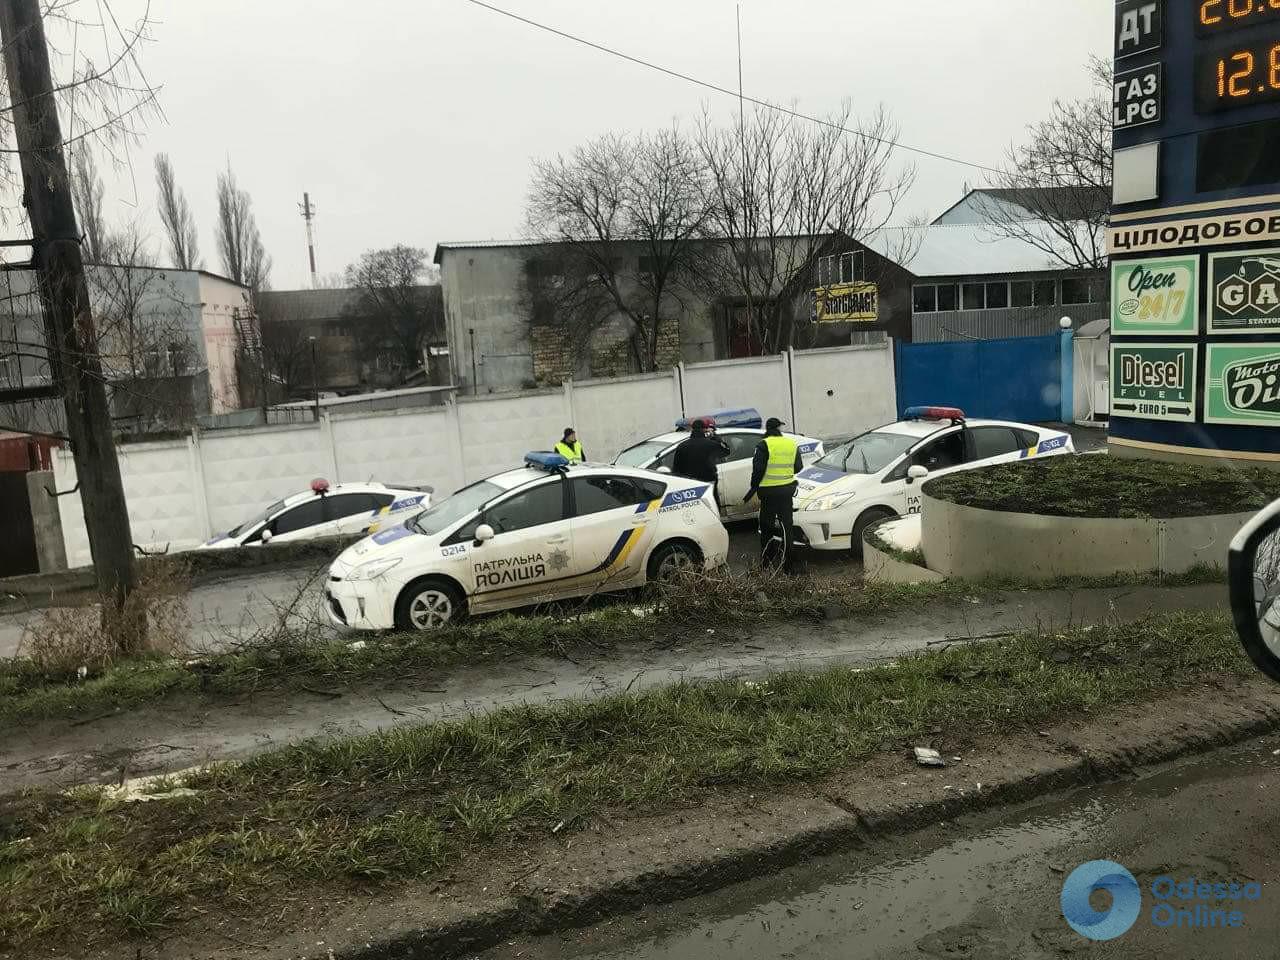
x: 1244, y: 293
x: 1153, y: 381
x: 1155, y: 296
x: 1243, y: 384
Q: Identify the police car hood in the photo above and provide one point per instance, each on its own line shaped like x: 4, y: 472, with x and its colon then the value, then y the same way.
x: 814, y: 483
x: 397, y: 541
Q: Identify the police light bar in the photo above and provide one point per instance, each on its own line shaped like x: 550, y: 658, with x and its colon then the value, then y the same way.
x: 934, y: 413
x: 544, y: 460
x: 746, y: 418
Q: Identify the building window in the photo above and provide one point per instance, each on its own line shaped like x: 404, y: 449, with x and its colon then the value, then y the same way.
x: 1032, y: 293
x: 974, y: 296
x: 924, y: 299
x: 1084, y: 290
x: 841, y: 268
x: 948, y: 297
x: 997, y: 296
x: 867, y: 338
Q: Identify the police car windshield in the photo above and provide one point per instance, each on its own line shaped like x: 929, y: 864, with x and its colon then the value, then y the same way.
x: 869, y: 453
x: 262, y: 517
x: 452, y: 509
x: 640, y: 454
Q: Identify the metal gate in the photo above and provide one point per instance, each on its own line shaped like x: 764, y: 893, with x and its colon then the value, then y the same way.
x: 17, y: 532
x: 1014, y: 379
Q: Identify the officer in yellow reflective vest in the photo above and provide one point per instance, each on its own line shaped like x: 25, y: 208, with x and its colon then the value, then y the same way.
x: 569, y: 447
x: 773, y: 475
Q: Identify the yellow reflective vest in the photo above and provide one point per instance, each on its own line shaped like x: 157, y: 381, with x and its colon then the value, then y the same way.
x: 781, y: 467
x: 571, y: 452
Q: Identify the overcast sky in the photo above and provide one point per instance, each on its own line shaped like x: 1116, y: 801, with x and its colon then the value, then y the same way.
x: 414, y: 121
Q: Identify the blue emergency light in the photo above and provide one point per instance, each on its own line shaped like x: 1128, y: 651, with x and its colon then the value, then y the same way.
x: 747, y: 418
x: 953, y: 414
x: 545, y: 460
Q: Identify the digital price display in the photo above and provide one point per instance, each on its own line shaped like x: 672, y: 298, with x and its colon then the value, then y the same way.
x: 1238, y: 75
x: 1219, y: 16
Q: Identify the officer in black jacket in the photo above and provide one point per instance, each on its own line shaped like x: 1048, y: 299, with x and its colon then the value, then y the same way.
x: 697, y: 457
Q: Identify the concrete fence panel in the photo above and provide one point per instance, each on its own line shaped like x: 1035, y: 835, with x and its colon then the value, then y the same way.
x: 843, y: 391
x: 407, y: 446
x: 498, y: 430
x: 245, y: 470
x: 610, y: 415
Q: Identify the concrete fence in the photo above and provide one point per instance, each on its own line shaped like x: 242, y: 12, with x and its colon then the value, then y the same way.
x: 181, y: 492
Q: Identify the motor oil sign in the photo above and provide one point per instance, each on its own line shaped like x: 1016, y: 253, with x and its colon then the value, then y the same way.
x: 1156, y: 295
x: 1244, y: 292
x: 1153, y: 381
x: 1242, y: 384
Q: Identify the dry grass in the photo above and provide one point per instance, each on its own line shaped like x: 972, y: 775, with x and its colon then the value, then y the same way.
x: 87, y: 640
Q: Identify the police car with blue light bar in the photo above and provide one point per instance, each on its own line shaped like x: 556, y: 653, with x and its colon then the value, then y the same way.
x: 326, y: 511
x: 878, y: 474
x: 549, y: 530
x: 742, y: 430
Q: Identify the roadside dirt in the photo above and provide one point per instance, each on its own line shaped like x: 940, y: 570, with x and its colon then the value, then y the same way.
x: 182, y: 734
x: 619, y: 864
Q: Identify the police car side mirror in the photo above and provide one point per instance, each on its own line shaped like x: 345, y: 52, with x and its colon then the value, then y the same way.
x: 267, y: 535
x: 1253, y: 572
x: 664, y: 469
x: 916, y: 472
x: 484, y: 533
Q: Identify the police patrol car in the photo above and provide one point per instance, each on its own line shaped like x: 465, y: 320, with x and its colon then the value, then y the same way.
x: 742, y: 430
x: 878, y: 474
x: 546, y: 531
x: 325, y: 511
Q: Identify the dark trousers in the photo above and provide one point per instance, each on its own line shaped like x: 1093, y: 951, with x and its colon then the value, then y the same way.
x: 776, y: 507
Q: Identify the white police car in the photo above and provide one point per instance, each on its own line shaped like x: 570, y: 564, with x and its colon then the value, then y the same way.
x: 877, y: 475
x: 546, y: 531
x: 742, y: 430
x: 325, y: 511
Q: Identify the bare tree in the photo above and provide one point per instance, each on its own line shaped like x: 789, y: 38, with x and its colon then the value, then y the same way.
x: 398, y: 314
x: 646, y: 191
x: 244, y: 259
x: 782, y: 192
x: 1054, y: 190
x: 175, y: 215
x: 87, y: 192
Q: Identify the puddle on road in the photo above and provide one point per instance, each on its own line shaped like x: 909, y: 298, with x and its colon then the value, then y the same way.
x: 928, y: 894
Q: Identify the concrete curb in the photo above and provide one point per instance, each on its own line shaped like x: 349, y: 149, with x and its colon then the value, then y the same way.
x: 667, y: 860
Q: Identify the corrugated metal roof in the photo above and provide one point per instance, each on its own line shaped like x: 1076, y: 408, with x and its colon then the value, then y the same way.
x: 962, y: 250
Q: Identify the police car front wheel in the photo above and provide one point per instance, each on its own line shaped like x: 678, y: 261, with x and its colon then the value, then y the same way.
x: 429, y: 605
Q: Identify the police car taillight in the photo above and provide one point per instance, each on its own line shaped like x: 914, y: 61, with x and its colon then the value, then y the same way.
x: 934, y: 413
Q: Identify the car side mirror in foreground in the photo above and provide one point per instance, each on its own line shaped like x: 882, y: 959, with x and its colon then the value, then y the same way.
x: 484, y: 533
x: 1253, y: 572
x: 266, y: 536
x: 916, y: 472
x: 664, y: 469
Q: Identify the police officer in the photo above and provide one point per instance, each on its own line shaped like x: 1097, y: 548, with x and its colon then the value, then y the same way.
x: 569, y: 447
x: 697, y: 457
x: 773, y: 475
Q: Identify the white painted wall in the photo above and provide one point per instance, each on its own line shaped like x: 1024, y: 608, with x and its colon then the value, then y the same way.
x: 181, y: 492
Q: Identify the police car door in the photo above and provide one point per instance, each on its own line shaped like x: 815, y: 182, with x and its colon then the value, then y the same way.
x: 735, y: 475
x: 530, y: 551
x: 613, y: 522
x: 940, y: 454
x: 999, y: 444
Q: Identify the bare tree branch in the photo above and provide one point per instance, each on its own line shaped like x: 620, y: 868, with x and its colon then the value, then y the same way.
x: 175, y: 215
x: 87, y: 193
x: 244, y: 259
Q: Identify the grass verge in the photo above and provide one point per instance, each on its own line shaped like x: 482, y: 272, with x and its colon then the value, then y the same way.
x: 355, y: 814
x: 295, y: 661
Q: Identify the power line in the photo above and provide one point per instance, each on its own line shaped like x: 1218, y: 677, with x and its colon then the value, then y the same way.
x: 706, y: 84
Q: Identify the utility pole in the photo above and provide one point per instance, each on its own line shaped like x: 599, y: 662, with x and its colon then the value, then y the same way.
x: 74, y: 363
x: 309, y: 214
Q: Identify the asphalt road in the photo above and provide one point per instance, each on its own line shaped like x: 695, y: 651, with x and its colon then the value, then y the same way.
x: 242, y: 609
x: 988, y: 887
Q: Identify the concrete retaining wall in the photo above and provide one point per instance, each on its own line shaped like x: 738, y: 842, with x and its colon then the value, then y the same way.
x: 879, y: 566
x: 969, y: 542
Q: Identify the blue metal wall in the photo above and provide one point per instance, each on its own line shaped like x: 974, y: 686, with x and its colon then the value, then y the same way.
x: 1013, y: 379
